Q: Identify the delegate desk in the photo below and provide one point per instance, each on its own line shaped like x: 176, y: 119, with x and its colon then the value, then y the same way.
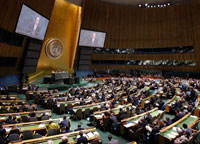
x: 128, y: 123
x: 18, y: 106
x: 4, y: 117
x: 90, y: 133
x: 90, y: 106
x: 32, y: 126
x: 9, y: 102
x: 197, y: 106
x: 98, y: 116
x: 8, y: 97
x: 169, y: 133
x: 135, y: 94
x: 72, y: 102
x: 171, y: 102
x: 147, y: 101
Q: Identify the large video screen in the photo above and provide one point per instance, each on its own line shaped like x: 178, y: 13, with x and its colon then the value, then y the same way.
x: 92, y: 38
x: 31, y: 23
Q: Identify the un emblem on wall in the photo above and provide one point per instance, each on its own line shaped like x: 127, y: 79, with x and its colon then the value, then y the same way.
x: 54, y: 48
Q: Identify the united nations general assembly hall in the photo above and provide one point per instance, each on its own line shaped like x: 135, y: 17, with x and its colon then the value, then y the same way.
x: 99, y: 71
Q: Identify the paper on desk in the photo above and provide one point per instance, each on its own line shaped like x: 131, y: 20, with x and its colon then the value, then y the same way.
x: 8, y: 129
x: 171, y: 136
x: 2, y: 117
x: 96, y: 133
x: 148, y: 128
x: 176, y: 129
x: 193, y: 116
x: 129, y: 125
x: 136, y: 121
x: 174, y: 133
x: 41, y: 125
x: 47, y: 113
x: 83, y: 135
x: 98, y: 116
x: 147, y: 101
x: 120, y: 106
x: 134, y: 107
x: 90, y: 135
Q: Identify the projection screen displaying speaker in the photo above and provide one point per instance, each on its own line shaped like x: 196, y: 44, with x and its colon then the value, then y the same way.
x: 92, y: 38
x: 31, y: 23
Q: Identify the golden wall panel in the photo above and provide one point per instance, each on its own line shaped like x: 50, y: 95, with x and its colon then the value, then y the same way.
x: 64, y: 25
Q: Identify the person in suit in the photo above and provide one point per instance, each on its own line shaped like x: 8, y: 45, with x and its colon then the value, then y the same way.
x: 22, y: 108
x: 114, y: 120
x: 10, y: 120
x: 65, y: 122
x: 82, y: 139
x: 79, y: 128
x: 148, y: 118
x: 187, y: 129
x: 168, y: 121
x: 112, y: 141
x: 13, y: 108
x: 4, y: 109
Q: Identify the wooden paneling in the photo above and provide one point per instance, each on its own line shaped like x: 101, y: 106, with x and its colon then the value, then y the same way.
x: 9, y: 13
x: 131, y: 27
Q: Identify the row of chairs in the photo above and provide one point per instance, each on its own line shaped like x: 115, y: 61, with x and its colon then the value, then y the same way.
x: 32, y: 119
x: 79, y: 114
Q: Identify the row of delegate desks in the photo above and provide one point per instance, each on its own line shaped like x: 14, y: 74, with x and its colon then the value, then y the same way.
x: 4, y: 117
x: 90, y: 133
x: 130, y: 122
x: 90, y: 106
x: 18, y: 106
x: 8, y: 97
x: 172, y: 101
x: 197, y: 106
x: 9, y: 102
x: 32, y: 126
x: 98, y: 116
x: 169, y: 133
x: 147, y: 100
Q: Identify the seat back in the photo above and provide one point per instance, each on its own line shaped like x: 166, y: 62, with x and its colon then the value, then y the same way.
x: 37, y: 136
x: 27, y: 134
x: 95, y: 141
x: 87, y: 112
x: 79, y: 113
x: 95, y: 109
x: 69, y: 106
x: 62, y: 106
x: 25, y: 119
x: 45, y: 117
x: 106, y: 124
x: 13, y: 137
x: 52, y: 132
x: 32, y: 119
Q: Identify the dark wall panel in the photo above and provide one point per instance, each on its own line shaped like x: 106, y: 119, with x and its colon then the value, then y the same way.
x: 130, y: 27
